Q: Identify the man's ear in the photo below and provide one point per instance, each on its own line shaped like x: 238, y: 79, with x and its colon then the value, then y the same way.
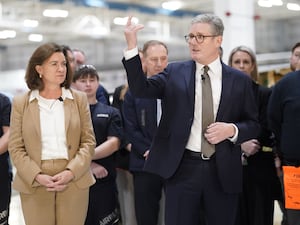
x: 219, y: 40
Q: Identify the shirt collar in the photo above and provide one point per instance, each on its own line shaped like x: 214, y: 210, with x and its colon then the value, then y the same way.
x: 65, y: 93
x: 215, y: 67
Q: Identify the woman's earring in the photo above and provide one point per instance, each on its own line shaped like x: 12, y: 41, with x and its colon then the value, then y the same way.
x: 40, y: 75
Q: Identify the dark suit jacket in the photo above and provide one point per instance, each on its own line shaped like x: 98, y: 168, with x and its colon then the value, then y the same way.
x: 283, y: 115
x: 176, y: 87
x: 140, y: 124
x: 122, y: 155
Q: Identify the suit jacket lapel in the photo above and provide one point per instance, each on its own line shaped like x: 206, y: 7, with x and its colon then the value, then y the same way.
x: 190, y: 79
x: 227, y: 82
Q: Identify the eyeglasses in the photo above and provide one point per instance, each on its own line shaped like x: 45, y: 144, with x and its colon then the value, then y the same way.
x: 199, y: 37
x: 86, y: 67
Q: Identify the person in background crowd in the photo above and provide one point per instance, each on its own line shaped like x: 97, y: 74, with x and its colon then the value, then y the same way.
x: 196, y: 177
x: 107, y: 124
x: 124, y: 177
x: 70, y: 57
x: 295, y: 57
x: 141, y: 117
x: 102, y: 94
x: 261, y: 185
x: 283, y: 114
x: 5, y: 168
x: 79, y: 56
x: 123, y: 154
x: 51, y: 142
x: 294, y: 66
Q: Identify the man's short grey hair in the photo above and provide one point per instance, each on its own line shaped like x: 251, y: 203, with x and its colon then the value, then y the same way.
x: 214, y: 21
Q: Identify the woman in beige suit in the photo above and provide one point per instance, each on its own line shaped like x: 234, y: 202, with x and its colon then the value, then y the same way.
x: 51, y: 142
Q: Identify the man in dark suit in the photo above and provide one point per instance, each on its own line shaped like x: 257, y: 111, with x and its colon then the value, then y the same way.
x: 140, y: 122
x: 195, y: 179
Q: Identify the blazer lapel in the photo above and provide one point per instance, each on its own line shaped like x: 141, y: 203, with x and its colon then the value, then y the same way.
x: 33, y: 108
x: 67, y: 107
x: 190, y: 79
x: 227, y: 82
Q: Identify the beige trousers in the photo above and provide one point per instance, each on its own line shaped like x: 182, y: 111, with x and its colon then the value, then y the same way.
x: 68, y: 207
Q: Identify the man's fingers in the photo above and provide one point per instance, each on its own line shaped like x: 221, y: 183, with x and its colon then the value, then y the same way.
x: 129, y: 21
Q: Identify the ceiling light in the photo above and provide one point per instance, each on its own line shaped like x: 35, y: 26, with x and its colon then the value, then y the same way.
x: 35, y: 37
x: 5, y: 34
x: 30, y: 23
x: 293, y: 6
x: 55, y: 13
x: 120, y: 21
x: 123, y: 20
x: 172, y: 5
x: 277, y: 2
x: 264, y: 3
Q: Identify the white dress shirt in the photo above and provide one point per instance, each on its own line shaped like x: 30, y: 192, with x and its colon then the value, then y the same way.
x: 215, y: 75
x: 52, y: 122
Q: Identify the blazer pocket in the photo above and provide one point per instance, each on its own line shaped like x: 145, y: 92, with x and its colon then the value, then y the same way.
x: 21, y: 186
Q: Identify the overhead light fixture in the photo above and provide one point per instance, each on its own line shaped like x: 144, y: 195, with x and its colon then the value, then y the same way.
x: 30, y: 23
x: 293, y: 6
x: 5, y: 34
x: 264, y: 3
x: 55, y: 13
x: 172, y: 5
x: 123, y: 20
x: 35, y: 37
x: 277, y: 2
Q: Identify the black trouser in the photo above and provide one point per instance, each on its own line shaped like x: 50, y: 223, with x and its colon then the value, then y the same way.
x: 103, y: 203
x: 5, y: 195
x: 147, y: 194
x: 194, y: 189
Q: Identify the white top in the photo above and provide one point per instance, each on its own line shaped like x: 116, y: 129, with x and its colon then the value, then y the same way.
x: 52, y: 122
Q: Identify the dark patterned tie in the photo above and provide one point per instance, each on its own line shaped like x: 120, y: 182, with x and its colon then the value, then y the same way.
x: 207, y: 113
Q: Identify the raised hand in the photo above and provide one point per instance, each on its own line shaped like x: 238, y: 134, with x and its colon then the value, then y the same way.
x: 130, y: 33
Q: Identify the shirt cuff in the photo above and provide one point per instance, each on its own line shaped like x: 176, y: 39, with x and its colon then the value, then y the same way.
x: 235, y: 136
x: 128, y: 54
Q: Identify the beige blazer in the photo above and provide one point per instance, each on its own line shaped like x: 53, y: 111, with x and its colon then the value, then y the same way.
x: 25, y: 140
